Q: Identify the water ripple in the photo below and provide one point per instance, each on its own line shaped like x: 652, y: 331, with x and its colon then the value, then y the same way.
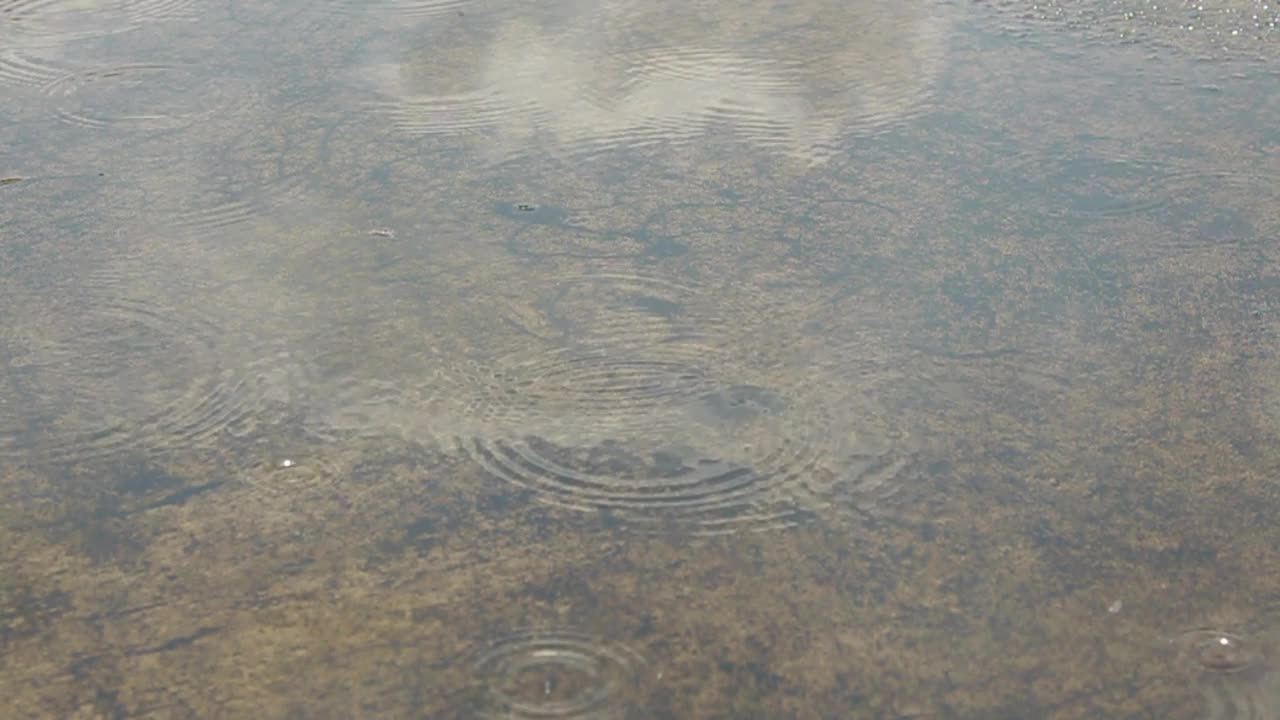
x: 28, y: 23
x: 624, y: 310
x: 405, y: 9
x: 1172, y: 194
x: 140, y: 96
x: 21, y: 69
x: 94, y: 375
x: 657, y: 440
x: 556, y: 673
x: 289, y: 476
x: 1206, y: 28
x: 251, y: 176
x: 1238, y: 676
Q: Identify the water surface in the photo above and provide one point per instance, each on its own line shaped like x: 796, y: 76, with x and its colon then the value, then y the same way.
x: 450, y: 359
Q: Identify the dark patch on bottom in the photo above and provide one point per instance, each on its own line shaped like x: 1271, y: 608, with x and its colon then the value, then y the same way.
x: 174, y: 643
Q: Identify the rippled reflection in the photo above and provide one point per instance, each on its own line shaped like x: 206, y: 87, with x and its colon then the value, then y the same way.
x: 625, y: 74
